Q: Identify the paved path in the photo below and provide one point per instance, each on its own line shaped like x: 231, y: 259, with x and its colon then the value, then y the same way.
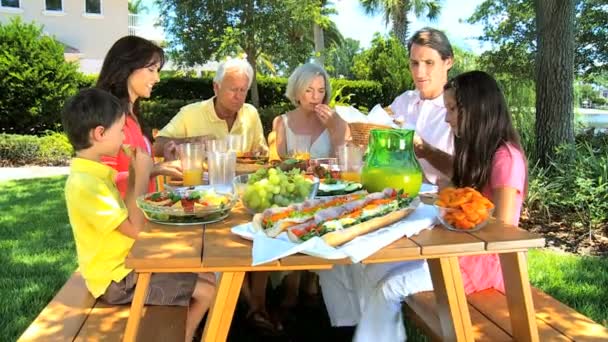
x: 9, y: 173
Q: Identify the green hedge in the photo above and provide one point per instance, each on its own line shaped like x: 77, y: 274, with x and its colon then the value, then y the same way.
x: 51, y: 149
x: 272, y: 90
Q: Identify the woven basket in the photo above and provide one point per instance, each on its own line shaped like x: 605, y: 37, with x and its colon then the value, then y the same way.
x: 359, y: 132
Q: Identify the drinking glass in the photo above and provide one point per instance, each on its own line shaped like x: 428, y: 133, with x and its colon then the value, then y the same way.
x: 235, y: 143
x: 222, y: 168
x: 350, y: 160
x: 217, y: 145
x: 300, y: 147
x: 192, y: 156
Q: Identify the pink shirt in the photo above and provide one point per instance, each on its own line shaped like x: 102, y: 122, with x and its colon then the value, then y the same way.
x: 480, y: 272
x: 135, y: 138
x: 427, y: 117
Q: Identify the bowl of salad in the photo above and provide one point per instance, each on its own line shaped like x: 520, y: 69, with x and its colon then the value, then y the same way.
x: 187, y: 205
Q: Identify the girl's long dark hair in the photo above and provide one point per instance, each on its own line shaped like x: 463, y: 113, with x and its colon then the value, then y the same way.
x: 128, y: 54
x: 484, y: 124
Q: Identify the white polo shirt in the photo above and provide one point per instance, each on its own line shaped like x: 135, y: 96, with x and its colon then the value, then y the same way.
x: 428, y: 119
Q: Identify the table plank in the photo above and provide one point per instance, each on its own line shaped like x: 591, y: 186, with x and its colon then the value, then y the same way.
x: 499, y: 236
x: 396, y: 251
x: 162, y: 246
x: 314, y: 262
x: 440, y: 241
x: 225, y: 249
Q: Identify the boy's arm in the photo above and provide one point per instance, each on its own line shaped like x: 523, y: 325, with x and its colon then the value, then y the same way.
x: 139, y: 176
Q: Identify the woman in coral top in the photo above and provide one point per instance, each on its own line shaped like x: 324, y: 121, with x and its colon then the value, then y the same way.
x: 489, y: 158
x: 130, y: 70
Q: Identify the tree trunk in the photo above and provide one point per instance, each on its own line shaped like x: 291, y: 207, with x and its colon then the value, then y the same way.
x: 250, y: 50
x: 554, y: 76
x: 255, y: 95
x: 399, y: 18
x: 319, y: 44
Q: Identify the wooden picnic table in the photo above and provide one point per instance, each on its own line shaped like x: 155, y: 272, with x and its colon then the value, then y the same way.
x: 213, y: 248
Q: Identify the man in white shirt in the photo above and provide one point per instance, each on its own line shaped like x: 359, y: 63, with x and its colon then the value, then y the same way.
x: 370, y: 295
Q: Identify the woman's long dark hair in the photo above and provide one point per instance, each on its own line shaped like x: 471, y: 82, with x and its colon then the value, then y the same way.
x: 128, y: 54
x: 484, y: 124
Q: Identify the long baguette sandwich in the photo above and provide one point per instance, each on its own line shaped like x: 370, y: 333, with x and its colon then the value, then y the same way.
x: 343, y: 220
x: 274, y: 221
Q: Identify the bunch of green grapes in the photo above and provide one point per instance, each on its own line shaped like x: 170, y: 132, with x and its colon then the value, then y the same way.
x: 272, y: 187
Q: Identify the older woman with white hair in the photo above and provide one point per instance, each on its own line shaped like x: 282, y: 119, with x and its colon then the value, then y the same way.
x: 308, y: 88
x: 223, y: 114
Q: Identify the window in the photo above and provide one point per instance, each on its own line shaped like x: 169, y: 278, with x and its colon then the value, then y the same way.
x: 10, y: 3
x: 92, y: 6
x: 54, y: 5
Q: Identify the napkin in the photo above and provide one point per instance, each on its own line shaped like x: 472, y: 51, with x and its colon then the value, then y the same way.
x: 376, y: 116
x: 267, y: 249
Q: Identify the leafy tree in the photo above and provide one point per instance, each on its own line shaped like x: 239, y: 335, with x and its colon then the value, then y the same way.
x: 137, y: 7
x: 385, y: 61
x: 396, y: 11
x: 206, y: 30
x: 339, y: 59
x: 554, y: 76
x: 34, y: 78
x: 464, y: 61
x: 510, y: 26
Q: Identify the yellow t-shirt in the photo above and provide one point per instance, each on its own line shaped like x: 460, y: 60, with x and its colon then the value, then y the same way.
x: 96, y: 210
x: 199, y: 118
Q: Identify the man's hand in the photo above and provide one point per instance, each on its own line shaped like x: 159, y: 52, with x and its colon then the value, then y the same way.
x: 421, y: 147
x: 172, y: 169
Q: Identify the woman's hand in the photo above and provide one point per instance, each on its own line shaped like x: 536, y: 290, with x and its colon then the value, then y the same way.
x: 172, y: 169
x: 328, y: 116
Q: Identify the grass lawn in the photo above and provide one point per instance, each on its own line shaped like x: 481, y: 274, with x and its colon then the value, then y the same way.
x: 37, y: 256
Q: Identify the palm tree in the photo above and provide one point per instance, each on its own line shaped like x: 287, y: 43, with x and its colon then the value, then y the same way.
x: 396, y: 11
x: 137, y: 7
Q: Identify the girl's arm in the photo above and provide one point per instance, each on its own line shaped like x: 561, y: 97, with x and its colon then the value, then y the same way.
x: 504, y: 200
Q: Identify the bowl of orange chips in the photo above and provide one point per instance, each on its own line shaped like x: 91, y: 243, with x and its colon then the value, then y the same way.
x: 463, y: 209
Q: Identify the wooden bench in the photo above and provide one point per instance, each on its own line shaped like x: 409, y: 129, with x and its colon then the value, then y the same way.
x: 74, y: 315
x: 490, y: 318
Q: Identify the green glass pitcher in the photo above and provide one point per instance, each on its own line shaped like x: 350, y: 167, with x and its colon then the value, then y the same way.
x: 391, y: 162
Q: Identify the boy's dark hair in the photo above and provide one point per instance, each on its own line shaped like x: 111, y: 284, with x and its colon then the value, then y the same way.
x: 434, y: 39
x: 86, y: 110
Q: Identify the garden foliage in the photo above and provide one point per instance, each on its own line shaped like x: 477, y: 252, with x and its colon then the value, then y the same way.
x: 34, y: 78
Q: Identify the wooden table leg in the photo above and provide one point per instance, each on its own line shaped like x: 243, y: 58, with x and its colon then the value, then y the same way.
x: 222, y: 309
x: 452, y: 304
x: 519, y: 296
x: 137, y: 306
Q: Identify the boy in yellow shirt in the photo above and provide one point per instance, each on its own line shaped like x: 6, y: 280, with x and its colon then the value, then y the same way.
x: 105, y: 226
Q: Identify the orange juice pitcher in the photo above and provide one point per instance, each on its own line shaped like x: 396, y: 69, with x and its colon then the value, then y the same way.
x: 391, y: 162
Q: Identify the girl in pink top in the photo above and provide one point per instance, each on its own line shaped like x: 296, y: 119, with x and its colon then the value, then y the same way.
x: 130, y: 70
x: 488, y: 156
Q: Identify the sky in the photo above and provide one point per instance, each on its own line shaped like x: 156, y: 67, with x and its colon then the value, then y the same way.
x: 353, y: 23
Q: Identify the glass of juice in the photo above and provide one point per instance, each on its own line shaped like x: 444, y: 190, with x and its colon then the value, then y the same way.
x: 350, y: 160
x: 299, y: 148
x: 192, y: 156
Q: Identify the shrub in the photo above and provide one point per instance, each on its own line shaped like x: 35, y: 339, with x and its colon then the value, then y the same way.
x: 385, y: 61
x: 575, y: 182
x: 272, y: 90
x: 50, y: 149
x: 34, y: 78
x: 267, y: 114
x: 156, y: 114
x: 183, y: 88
